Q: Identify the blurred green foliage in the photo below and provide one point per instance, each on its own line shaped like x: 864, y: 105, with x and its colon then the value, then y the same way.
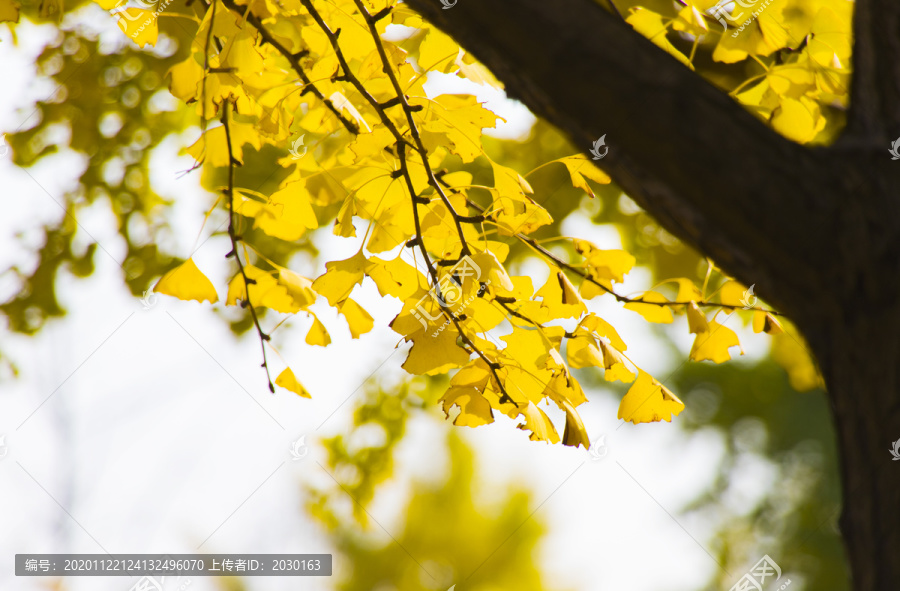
x: 446, y: 537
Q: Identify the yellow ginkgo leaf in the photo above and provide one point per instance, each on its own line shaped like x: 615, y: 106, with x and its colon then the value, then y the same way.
x: 538, y: 423
x: 648, y: 401
x: 560, y: 297
x: 650, y: 25
x: 652, y: 312
x: 608, y: 265
x: 264, y: 290
x: 317, y: 334
x: 9, y: 11
x: 341, y: 277
x: 298, y: 287
x: 574, y: 434
x: 615, y: 365
x: 582, y: 351
x: 696, y: 319
x: 735, y: 294
x: 186, y: 282
x: 395, y: 277
x: 579, y: 168
x: 765, y: 322
x: 139, y: 25
x: 798, y: 120
x: 358, y: 319
x: 288, y: 381
x: 601, y: 327
x: 434, y: 354
x: 474, y: 409
x: 184, y: 78
x: 714, y: 343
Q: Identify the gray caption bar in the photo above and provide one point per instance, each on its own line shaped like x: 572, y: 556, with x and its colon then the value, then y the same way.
x: 161, y: 565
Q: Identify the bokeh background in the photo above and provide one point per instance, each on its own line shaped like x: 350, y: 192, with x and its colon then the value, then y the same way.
x: 133, y: 422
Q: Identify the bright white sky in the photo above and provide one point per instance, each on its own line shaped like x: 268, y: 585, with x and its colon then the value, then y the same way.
x: 153, y: 428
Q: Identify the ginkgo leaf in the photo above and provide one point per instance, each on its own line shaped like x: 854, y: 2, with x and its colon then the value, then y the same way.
x: 287, y: 380
x: 317, y: 334
x: 648, y: 401
x: 696, y: 319
x: 358, y: 319
x: 184, y: 78
x: 139, y: 25
x: 474, y: 409
x: 9, y: 11
x: 298, y: 287
x: 714, y: 343
x: 264, y: 290
x: 601, y: 327
x: 615, y: 364
x: 798, y: 120
x: 651, y: 312
x: 734, y: 294
x: 341, y: 277
x: 583, y: 351
x: 765, y: 322
x: 538, y: 423
x: 431, y: 355
x: 650, y: 25
x: 187, y: 282
x: 395, y: 277
x: 608, y: 265
x: 560, y: 297
x: 580, y: 167
x: 574, y: 434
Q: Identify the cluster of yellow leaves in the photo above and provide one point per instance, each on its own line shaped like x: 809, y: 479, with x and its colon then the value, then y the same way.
x: 385, y: 157
x: 799, y: 50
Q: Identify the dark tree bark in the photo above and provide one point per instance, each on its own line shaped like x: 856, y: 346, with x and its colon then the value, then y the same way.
x: 816, y: 229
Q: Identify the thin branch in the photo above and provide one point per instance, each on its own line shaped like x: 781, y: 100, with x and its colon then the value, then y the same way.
x: 294, y: 60
x: 413, y: 128
x: 232, y: 235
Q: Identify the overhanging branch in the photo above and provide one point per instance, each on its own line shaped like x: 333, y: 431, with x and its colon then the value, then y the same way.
x: 705, y: 168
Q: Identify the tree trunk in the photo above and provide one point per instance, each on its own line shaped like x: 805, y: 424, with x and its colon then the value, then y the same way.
x: 859, y: 356
x: 816, y: 229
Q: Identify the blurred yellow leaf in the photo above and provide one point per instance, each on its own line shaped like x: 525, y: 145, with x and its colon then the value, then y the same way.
x: 651, y: 312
